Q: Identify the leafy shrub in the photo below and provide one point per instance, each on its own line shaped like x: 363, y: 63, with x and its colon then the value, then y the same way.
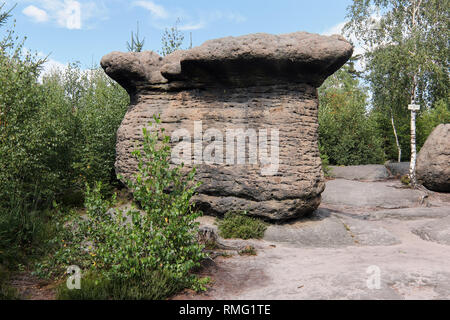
x: 127, y: 247
x: 56, y: 134
x: 406, y: 180
x: 98, y: 106
x: 153, y: 285
x: 241, y: 226
x: 6, y: 291
x: 347, y: 132
x: 21, y: 229
x: 325, y: 162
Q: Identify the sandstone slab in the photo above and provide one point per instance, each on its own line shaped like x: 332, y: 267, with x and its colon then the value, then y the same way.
x: 398, y: 168
x: 376, y: 195
x: 411, y: 213
x: 325, y: 229
x: 436, y: 231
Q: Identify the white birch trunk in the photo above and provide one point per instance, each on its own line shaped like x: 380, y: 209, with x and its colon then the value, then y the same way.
x: 396, y: 139
x: 412, y: 168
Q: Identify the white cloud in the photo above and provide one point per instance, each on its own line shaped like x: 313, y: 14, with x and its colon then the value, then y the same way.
x: 156, y: 10
x: 192, y: 26
x: 226, y: 15
x: 336, y: 29
x: 52, y: 65
x: 36, y: 14
x: 164, y: 17
x: 70, y: 14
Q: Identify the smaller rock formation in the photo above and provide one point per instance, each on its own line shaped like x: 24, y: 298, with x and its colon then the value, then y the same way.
x: 398, y: 169
x: 433, y: 162
x: 371, y: 172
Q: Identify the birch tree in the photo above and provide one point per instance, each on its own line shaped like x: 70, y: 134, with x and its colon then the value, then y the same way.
x: 407, y: 56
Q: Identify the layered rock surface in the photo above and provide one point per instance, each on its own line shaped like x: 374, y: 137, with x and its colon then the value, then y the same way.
x: 253, y: 82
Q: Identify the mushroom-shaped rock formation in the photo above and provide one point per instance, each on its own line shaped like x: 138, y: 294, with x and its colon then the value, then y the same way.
x: 249, y: 107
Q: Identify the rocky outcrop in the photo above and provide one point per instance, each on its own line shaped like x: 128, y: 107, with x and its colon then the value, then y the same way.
x: 264, y: 87
x: 371, y: 172
x: 433, y: 162
x: 398, y: 169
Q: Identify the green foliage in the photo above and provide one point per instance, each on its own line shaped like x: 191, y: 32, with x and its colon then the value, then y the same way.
x: 22, y: 228
x: 347, y: 132
x: 407, y: 58
x: 158, y: 241
x: 97, y: 105
x: 248, y: 251
x: 57, y: 132
x: 136, y: 44
x: 240, y: 226
x: 405, y: 180
x: 6, y: 291
x: 325, y: 162
x: 153, y: 285
x: 172, y: 39
x: 4, y: 15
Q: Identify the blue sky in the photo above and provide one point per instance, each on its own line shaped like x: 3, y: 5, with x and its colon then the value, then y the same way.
x: 85, y: 30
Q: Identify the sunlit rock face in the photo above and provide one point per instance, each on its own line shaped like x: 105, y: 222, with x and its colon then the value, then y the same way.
x: 433, y: 162
x: 247, y: 109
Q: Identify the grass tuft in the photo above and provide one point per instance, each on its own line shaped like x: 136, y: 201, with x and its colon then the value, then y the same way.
x: 240, y: 226
x: 151, y: 286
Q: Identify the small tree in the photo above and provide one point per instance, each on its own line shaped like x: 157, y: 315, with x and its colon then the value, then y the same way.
x: 172, y: 39
x: 407, y: 56
x: 136, y: 44
x: 160, y: 239
x: 5, y: 15
x: 347, y: 134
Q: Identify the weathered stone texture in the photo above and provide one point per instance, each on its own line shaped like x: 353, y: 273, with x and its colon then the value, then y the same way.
x: 433, y: 162
x: 252, y: 82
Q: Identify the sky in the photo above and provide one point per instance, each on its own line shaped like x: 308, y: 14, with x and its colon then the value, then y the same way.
x: 86, y: 30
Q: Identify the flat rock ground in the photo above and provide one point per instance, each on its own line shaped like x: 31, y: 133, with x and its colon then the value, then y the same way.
x: 404, y: 233
x: 360, y: 228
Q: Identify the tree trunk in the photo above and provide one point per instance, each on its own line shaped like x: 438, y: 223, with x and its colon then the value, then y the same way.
x: 396, y: 138
x: 412, y: 168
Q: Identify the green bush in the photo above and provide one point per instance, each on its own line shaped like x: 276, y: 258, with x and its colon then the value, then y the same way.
x: 347, y: 132
x: 98, y: 106
x: 153, y: 285
x: 6, y: 291
x: 123, y: 247
x: 57, y: 133
x: 240, y: 226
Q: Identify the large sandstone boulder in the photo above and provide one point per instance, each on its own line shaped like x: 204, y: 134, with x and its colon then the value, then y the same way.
x: 433, y: 162
x: 260, y: 84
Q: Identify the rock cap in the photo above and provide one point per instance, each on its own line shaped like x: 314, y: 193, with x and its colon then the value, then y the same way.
x: 250, y: 60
